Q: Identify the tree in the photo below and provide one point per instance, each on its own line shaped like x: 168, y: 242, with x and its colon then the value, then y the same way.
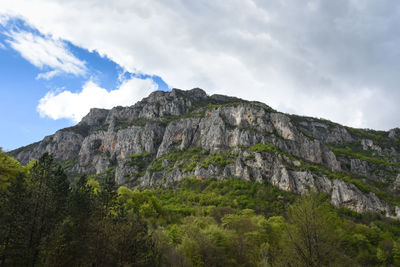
x: 70, y: 242
x: 31, y: 207
x: 118, y: 237
x: 310, y: 237
x: 248, y: 236
x: 14, y: 210
x: 48, y: 189
x: 9, y: 169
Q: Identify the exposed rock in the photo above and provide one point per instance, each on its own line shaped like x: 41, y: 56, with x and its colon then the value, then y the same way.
x: 394, y: 133
x: 349, y: 196
x: 179, y: 120
x: 63, y: 145
x: 369, y: 144
x: 283, y: 126
x: 95, y: 117
x: 397, y: 181
x: 359, y: 166
x: 322, y: 130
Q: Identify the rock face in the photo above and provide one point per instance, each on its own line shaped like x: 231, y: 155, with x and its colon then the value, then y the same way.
x: 172, y: 135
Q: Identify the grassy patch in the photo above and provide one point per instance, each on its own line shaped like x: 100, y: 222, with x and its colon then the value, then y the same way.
x: 306, y: 134
x: 378, y: 136
x: 352, y: 154
x: 140, y: 160
x: 189, y: 159
x: 156, y: 165
x: 261, y: 147
x: 269, y: 148
x: 215, y: 160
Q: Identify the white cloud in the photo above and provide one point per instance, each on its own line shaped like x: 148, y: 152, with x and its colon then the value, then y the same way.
x: 47, y: 75
x: 74, y: 106
x: 2, y: 46
x: 45, y: 52
x: 311, y: 57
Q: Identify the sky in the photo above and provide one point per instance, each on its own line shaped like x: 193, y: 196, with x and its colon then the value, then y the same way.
x: 338, y: 60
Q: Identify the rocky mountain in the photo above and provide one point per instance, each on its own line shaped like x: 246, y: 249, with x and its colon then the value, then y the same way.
x: 172, y: 135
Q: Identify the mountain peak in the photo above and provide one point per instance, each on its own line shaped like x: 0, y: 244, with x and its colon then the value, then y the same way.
x: 168, y: 136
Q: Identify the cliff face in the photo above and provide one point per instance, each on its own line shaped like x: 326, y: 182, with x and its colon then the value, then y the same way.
x: 172, y: 135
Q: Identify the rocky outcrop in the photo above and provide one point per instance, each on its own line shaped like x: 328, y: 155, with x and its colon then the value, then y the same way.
x: 359, y: 166
x: 369, y: 144
x: 349, y: 196
x: 63, y: 145
x: 95, y: 117
x: 323, y: 130
x: 394, y: 133
x: 172, y: 135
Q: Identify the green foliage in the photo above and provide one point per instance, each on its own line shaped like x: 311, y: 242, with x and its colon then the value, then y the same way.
x: 348, y: 177
x: 215, y: 160
x: 384, y: 164
x: 190, y: 167
x: 310, y: 238
x: 69, y: 163
x: 189, y: 159
x: 9, y: 169
x: 37, y: 205
x: 156, y: 165
x: 140, y: 160
x: 269, y: 148
x: 306, y: 134
x: 124, y: 124
x: 15, y: 209
x: 349, y: 152
x: 203, y: 196
x: 184, y: 157
x: 261, y: 147
x: 377, y: 136
x: 100, y: 178
x: 94, y: 185
x: 313, y: 235
x: 45, y: 221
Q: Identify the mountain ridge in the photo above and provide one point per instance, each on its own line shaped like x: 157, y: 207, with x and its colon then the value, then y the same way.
x: 168, y: 136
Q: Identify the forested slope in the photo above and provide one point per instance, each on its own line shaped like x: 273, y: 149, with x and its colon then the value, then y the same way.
x: 48, y: 220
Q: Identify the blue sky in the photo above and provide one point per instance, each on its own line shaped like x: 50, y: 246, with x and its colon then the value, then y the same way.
x: 21, y: 90
x: 337, y: 60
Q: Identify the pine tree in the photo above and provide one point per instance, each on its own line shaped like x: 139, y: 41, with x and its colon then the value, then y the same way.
x: 70, y: 242
x: 49, y: 189
x: 14, y: 209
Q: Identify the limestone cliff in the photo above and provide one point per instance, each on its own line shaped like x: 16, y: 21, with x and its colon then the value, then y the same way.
x: 172, y: 135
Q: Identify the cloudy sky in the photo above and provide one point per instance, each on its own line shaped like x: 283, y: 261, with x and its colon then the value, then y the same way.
x: 338, y: 60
